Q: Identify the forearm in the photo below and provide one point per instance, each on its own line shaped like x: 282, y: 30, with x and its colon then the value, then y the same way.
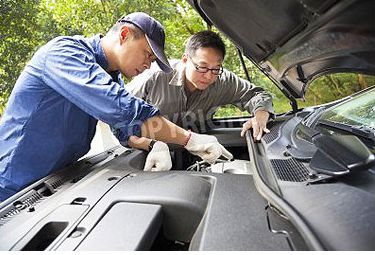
x: 244, y: 94
x: 139, y: 142
x: 162, y: 129
x: 205, y: 146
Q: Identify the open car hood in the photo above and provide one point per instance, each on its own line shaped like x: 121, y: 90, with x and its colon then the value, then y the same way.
x: 295, y: 41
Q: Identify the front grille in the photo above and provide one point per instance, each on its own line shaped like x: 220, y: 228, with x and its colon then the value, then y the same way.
x: 290, y: 170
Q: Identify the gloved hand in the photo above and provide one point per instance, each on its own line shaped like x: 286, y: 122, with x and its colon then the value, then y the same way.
x: 207, y: 147
x: 158, y: 159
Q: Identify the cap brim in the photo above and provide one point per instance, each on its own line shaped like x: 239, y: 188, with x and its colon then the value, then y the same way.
x: 161, y: 59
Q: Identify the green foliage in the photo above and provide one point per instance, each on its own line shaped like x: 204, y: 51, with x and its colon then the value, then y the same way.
x: 3, y: 100
x: 25, y: 25
x: 18, y: 24
x: 335, y: 86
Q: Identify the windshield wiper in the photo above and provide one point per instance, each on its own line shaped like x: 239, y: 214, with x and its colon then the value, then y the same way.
x: 362, y: 131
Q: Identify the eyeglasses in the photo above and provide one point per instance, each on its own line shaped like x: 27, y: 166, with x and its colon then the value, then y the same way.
x: 201, y: 69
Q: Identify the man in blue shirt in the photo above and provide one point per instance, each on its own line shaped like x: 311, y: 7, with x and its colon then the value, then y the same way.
x: 69, y: 84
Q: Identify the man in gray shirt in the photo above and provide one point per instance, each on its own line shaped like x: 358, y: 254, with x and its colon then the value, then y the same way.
x: 198, y: 85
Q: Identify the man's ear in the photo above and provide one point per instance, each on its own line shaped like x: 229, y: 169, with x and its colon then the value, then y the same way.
x: 184, y: 58
x: 124, y: 33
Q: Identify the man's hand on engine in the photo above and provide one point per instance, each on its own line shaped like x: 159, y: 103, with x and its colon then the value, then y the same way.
x: 207, y: 147
x: 159, y: 158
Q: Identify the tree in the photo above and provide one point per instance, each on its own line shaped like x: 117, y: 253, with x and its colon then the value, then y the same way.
x: 18, y: 24
x: 25, y: 25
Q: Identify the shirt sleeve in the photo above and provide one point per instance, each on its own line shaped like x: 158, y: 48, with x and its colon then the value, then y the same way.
x: 71, y: 70
x: 244, y: 94
x: 139, y: 86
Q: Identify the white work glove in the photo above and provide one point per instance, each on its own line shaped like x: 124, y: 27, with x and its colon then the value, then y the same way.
x: 158, y: 159
x: 207, y: 147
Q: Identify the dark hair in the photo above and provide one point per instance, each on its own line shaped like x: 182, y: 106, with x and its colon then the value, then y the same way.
x: 136, y: 31
x: 204, y: 39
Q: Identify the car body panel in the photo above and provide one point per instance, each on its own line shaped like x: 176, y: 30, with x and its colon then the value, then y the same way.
x: 293, y: 42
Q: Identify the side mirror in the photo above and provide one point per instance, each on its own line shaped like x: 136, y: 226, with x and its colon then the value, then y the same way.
x: 339, y: 155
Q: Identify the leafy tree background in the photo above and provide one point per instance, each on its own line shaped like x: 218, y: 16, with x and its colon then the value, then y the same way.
x: 25, y: 25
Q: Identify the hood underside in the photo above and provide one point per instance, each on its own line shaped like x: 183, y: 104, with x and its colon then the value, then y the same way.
x: 295, y: 41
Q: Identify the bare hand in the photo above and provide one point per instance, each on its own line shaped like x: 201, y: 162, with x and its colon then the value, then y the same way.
x: 258, y: 123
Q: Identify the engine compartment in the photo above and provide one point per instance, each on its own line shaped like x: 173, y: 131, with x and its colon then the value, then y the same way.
x: 267, y: 198
x: 107, y: 202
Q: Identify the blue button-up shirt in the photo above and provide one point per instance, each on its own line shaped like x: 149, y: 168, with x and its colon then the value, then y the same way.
x: 52, y: 112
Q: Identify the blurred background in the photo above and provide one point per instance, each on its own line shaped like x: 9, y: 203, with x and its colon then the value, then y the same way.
x: 26, y: 25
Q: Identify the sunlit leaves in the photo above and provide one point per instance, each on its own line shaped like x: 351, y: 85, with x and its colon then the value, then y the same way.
x: 25, y: 25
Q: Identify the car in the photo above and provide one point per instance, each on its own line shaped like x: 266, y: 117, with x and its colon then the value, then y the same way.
x: 309, y: 184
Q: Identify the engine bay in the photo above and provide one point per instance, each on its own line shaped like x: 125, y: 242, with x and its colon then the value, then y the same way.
x: 267, y: 198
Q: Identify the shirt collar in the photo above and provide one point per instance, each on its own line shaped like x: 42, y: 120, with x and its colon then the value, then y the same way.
x: 178, y: 78
x: 100, y: 56
x: 98, y: 51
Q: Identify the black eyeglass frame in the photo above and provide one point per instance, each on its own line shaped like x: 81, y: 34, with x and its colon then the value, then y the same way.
x: 201, y: 69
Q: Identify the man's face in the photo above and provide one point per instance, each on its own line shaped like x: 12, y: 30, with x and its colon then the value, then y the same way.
x: 203, y: 58
x: 135, y: 56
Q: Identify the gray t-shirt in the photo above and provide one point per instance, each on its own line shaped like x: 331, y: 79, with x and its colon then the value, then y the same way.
x: 167, y: 92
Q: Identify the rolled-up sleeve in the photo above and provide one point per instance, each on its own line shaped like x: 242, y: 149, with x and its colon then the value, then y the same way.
x: 71, y: 70
x: 244, y: 94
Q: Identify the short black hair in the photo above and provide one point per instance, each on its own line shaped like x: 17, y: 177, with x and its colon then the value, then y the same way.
x: 204, y: 39
x: 136, y: 31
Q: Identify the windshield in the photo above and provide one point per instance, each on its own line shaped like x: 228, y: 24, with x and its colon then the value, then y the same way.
x: 358, y: 111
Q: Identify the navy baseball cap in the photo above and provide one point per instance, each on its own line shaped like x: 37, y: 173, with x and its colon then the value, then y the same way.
x: 155, y: 36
